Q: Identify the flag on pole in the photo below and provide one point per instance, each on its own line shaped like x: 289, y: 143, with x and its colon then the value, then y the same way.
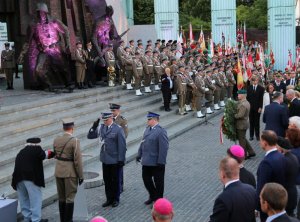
x: 183, y: 37
x: 191, y: 34
x: 179, y: 52
x: 240, y: 81
x: 298, y: 57
x: 272, y: 57
x: 245, y: 35
x: 202, y: 40
x: 211, y: 47
x: 290, y: 62
x: 262, y: 59
x: 249, y: 65
x: 245, y: 75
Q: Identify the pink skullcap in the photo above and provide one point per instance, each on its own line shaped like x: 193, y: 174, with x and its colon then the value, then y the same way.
x: 163, y: 206
x: 98, y: 219
x: 237, y: 151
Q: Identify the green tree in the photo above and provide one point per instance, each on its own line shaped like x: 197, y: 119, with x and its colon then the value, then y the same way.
x: 143, y: 12
x: 256, y: 15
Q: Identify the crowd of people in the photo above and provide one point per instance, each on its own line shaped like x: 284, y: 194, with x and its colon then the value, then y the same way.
x: 196, y: 80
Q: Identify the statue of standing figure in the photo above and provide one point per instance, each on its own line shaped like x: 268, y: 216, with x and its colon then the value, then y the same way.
x: 46, y: 53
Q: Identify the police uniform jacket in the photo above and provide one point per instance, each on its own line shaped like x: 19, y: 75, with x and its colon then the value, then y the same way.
x: 242, y: 115
x: 154, y: 146
x: 7, y: 59
x: 122, y: 121
x: 68, y: 155
x: 112, y: 141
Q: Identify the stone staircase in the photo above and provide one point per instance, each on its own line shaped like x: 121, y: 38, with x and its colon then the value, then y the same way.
x: 43, y: 119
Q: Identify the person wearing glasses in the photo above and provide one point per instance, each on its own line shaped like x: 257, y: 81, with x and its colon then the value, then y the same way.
x: 152, y: 154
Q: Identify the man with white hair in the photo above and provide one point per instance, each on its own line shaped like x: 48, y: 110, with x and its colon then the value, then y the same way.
x: 294, y: 122
x: 294, y: 103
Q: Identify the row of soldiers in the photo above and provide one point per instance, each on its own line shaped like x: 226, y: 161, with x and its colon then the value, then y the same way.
x: 192, y: 80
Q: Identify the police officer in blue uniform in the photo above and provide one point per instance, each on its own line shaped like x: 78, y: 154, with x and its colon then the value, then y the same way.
x: 153, y: 154
x: 112, y: 155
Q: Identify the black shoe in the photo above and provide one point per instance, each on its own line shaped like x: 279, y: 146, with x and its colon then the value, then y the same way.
x: 17, y: 77
x: 148, y: 202
x: 107, y: 203
x: 168, y: 110
x: 115, y: 204
x: 251, y: 138
x: 43, y: 220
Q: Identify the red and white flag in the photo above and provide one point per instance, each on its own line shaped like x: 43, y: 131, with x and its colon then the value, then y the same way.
x: 179, y: 47
x: 245, y: 35
x: 272, y: 57
x: 298, y: 56
x: 191, y: 34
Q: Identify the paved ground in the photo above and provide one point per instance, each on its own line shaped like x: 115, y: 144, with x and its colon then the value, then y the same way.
x: 191, y: 181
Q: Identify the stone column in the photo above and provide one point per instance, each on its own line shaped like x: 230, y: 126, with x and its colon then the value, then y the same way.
x: 282, y: 30
x: 166, y: 19
x: 223, y: 17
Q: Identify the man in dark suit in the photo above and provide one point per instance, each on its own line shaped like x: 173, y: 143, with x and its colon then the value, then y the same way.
x: 294, y: 103
x: 279, y: 85
x: 276, y: 115
x: 255, y: 94
x: 273, y: 200
x: 293, y: 80
x: 166, y: 88
x: 271, y: 168
x: 237, y: 201
x: 152, y: 153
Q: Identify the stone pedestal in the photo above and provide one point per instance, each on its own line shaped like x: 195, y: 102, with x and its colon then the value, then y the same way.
x: 282, y: 30
x: 223, y: 17
x: 166, y: 19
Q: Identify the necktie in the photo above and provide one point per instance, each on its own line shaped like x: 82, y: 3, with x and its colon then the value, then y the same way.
x: 292, y: 82
x: 254, y: 88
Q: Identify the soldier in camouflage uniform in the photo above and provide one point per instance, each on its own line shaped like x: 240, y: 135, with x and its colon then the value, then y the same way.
x: 210, y: 92
x: 148, y: 70
x: 127, y: 60
x: 137, y: 68
x: 157, y: 69
x: 200, y: 92
x: 225, y: 85
x: 190, y: 90
x: 132, y: 48
x: 181, y: 89
x: 231, y: 81
x: 174, y: 68
x: 219, y: 85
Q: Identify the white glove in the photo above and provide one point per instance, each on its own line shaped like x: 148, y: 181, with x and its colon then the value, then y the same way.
x: 213, y: 81
x: 206, y: 89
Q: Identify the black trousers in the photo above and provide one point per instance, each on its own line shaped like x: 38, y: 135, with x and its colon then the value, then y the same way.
x: 254, y: 118
x: 167, y: 94
x: 153, y: 177
x: 111, y: 181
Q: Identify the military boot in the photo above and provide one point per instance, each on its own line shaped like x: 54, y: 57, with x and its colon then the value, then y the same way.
x: 61, y: 207
x: 69, y: 212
